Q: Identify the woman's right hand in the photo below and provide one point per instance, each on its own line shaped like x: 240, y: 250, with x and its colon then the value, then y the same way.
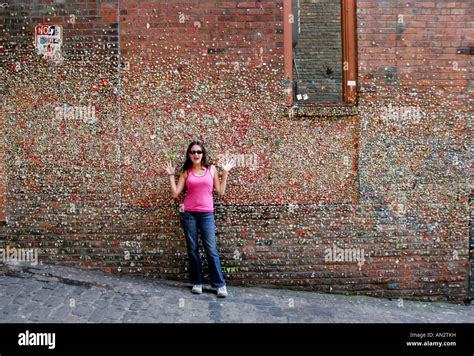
x: 170, y: 169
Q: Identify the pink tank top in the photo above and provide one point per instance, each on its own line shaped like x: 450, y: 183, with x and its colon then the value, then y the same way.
x: 199, y: 192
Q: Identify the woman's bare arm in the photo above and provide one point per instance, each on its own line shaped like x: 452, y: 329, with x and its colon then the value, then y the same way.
x: 176, y: 189
x: 220, y: 186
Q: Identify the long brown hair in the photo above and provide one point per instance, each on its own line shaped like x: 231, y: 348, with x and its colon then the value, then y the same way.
x: 188, y: 163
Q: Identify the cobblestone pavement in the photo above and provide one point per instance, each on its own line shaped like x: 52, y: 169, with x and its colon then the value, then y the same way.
x: 52, y: 294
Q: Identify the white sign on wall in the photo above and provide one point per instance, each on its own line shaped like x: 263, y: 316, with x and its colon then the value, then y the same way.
x: 48, y: 41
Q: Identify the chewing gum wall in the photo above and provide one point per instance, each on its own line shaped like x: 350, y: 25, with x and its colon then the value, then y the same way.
x: 371, y: 198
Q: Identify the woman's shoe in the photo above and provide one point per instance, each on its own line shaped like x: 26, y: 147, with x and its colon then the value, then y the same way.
x: 197, y: 289
x: 222, y: 292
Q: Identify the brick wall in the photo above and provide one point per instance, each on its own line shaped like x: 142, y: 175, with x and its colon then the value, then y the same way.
x: 318, y: 54
x: 371, y: 202
x: 414, y: 146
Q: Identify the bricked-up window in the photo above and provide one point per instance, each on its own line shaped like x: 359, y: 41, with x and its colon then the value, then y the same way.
x: 320, y: 52
x: 3, y: 192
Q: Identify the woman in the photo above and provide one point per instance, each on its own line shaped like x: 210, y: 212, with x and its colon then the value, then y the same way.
x: 197, y: 212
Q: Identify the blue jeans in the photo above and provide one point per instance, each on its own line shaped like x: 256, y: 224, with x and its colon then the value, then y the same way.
x: 192, y: 221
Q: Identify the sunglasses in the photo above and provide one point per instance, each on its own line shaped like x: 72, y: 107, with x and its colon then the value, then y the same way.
x: 193, y: 152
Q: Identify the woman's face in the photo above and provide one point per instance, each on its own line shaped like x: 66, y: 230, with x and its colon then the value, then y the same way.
x: 195, y: 153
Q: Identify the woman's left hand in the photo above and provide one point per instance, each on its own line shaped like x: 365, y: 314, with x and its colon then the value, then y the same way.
x: 227, y: 166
